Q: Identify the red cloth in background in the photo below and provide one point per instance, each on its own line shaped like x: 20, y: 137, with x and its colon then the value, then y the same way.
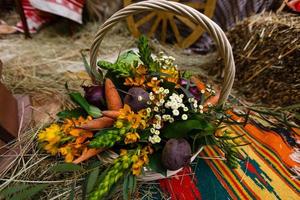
x: 294, y: 5
x: 38, y: 12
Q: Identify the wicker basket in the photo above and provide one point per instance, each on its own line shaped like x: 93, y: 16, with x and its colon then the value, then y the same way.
x: 207, y: 24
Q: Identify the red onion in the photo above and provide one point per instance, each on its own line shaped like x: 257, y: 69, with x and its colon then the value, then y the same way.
x: 95, y: 95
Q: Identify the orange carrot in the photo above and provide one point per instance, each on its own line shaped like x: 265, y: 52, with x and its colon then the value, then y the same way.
x: 88, y: 153
x: 199, y: 84
x: 99, y: 123
x: 213, y: 100
x: 112, y: 96
x: 111, y: 113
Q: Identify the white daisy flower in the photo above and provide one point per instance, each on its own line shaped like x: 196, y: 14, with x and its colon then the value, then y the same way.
x: 175, y: 112
x: 184, y: 117
x: 185, y: 109
x: 152, y: 130
x: 156, y: 138
x: 171, y: 120
x: 151, y: 97
x: 157, y: 132
x: 148, y: 110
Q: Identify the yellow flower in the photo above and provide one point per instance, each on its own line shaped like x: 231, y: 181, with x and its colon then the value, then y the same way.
x: 137, y: 167
x: 50, y: 148
x: 154, y: 84
x: 141, y: 70
x: 136, y: 81
x: 67, y: 153
x: 173, y: 74
x: 125, y: 112
x: 131, y: 137
x: 123, y: 152
x: 135, y: 120
x: 119, y: 124
x: 50, y: 134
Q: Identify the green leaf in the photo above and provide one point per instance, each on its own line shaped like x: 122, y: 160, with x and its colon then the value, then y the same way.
x: 156, y: 165
x: 12, y: 190
x: 128, y: 57
x: 82, y: 102
x: 76, y: 112
x: 129, y: 186
x: 187, y: 74
x: 144, y: 51
x: 29, y: 192
x: 119, y: 68
x: 181, y: 129
x: 65, y: 167
x: 92, y: 179
x: 92, y: 72
x: 72, y: 192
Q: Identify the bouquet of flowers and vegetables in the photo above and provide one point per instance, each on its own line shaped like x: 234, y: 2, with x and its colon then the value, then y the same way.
x: 153, y: 116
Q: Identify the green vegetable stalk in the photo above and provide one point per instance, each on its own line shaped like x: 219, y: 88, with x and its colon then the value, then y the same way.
x: 114, y: 174
x: 107, y: 138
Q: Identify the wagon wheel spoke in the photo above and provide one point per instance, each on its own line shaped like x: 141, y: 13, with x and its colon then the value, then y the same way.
x: 145, y: 19
x: 192, y: 37
x: 154, y: 26
x: 196, y: 5
x: 187, y: 22
x: 164, y: 30
x: 174, y: 28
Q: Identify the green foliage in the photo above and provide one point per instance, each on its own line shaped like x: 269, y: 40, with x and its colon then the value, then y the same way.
x: 128, y: 57
x: 181, y: 129
x: 76, y: 112
x: 22, y: 192
x: 155, y: 163
x: 187, y: 74
x: 145, y: 54
x: 129, y: 186
x: 111, y: 176
x: 82, y: 102
x: 12, y: 190
x: 119, y: 68
x: 92, y: 72
x: 107, y: 138
x: 92, y: 179
x: 144, y: 51
x: 65, y: 167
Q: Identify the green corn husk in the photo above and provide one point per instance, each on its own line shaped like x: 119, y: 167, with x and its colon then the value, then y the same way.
x: 116, y: 172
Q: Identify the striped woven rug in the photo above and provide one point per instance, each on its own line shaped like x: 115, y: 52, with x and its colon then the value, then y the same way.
x: 270, y: 168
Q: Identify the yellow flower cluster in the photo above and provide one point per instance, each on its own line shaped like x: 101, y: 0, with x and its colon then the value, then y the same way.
x: 140, y: 160
x: 51, y: 136
x: 139, y: 77
x: 173, y: 74
x: 67, y: 139
x: 131, y: 121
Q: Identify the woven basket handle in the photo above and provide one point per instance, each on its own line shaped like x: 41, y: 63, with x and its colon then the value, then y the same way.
x: 207, y: 24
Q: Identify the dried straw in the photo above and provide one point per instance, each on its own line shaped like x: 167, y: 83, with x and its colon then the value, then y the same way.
x: 267, y: 54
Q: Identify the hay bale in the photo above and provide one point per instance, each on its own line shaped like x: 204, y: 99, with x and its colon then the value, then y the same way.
x: 267, y: 55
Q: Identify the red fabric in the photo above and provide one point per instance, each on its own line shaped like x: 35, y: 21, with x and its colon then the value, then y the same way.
x: 181, y: 186
x: 38, y: 12
x: 294, y: 5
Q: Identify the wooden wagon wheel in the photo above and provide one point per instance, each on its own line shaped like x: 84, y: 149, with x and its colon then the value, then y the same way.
x: 163, y: 24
